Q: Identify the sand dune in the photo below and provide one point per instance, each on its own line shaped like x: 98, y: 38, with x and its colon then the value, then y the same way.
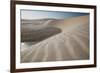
x: 72, y: 43
x: 43, y: 28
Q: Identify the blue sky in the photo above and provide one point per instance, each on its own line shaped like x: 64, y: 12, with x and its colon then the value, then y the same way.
x: 40, y: 14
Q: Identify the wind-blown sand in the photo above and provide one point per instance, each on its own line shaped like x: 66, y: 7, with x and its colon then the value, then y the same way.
x: 70, y: 44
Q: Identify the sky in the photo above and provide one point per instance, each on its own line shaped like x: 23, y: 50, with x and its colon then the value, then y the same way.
x: 40, y: 14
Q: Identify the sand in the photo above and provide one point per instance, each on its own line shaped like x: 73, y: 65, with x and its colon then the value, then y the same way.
x: 70, y: 44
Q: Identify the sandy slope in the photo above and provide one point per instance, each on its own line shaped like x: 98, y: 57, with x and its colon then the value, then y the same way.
x: 71, y: 44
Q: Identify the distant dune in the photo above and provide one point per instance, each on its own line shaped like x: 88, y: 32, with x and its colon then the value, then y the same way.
x: 71, y: 41
x: 37, y: 30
